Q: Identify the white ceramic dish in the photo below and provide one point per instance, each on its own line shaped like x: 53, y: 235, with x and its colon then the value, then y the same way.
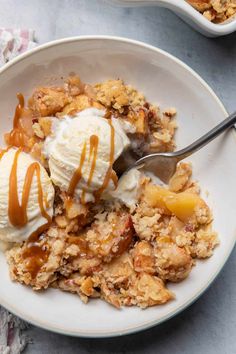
x: 188, y: 14
x: 166, y: 81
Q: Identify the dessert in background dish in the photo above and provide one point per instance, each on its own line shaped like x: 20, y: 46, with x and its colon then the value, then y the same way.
x: 215, y: 10
x: 121, y: 240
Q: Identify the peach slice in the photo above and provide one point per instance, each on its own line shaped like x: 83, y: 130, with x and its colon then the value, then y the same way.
x: 182, y: 205
x: 155, y: 197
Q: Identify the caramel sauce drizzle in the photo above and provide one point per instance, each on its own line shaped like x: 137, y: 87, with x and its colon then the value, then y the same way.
x: 114, y: 178
x: 16, y: 136
x: 2, y: 152
x: 110, y: 173
x: 77, y: 174
x: 68, y: 202
x: 18, y: 213
x: 93, y: 150
x: 35, y: 253
x: 94, y: 140
x: 18, y: 110
x: 83, y: 196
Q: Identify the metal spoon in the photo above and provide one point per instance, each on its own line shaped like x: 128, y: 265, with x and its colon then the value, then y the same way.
x: 163, y: 165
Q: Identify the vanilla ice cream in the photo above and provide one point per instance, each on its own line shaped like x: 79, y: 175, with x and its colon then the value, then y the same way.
x: 81, y: 151
x: 26, y: 196
x: 128, y: 188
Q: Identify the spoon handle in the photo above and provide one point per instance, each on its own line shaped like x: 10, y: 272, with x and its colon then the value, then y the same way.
x: 205, y: 139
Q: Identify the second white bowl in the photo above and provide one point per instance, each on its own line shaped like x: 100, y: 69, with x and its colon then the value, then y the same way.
x: 188, y: 14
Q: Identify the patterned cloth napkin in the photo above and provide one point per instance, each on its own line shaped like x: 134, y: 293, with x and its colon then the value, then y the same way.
x: 12, y: 338
x: 14, y: 42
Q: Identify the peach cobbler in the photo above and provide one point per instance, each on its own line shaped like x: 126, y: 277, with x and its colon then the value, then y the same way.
x: 216, y: 11
x: 68, y: 222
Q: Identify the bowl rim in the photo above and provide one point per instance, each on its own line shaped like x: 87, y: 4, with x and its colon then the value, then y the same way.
x: 223, y: 28
x: 172, y: 313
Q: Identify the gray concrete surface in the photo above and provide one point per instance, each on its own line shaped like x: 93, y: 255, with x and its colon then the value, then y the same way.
x: 208, y: 326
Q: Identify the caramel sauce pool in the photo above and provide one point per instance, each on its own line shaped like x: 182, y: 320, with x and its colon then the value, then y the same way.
x: 35, y: 253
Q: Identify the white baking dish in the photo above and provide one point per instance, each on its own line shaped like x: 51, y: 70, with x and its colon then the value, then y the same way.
x: 188, y: 14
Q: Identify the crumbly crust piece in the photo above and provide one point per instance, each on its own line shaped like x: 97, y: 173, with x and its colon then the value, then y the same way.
x: 151, y: 130
x: 215, y: 10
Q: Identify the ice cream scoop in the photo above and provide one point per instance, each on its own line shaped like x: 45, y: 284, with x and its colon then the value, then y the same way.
x: 128, y: 188
x: 26, y: 196
x: 81, y: 152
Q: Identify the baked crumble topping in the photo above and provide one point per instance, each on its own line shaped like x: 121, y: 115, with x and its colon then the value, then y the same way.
x: 105, y: 249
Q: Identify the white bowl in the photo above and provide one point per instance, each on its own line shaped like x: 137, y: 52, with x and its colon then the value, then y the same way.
x: 166, y: 81
x: 188, y: 14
